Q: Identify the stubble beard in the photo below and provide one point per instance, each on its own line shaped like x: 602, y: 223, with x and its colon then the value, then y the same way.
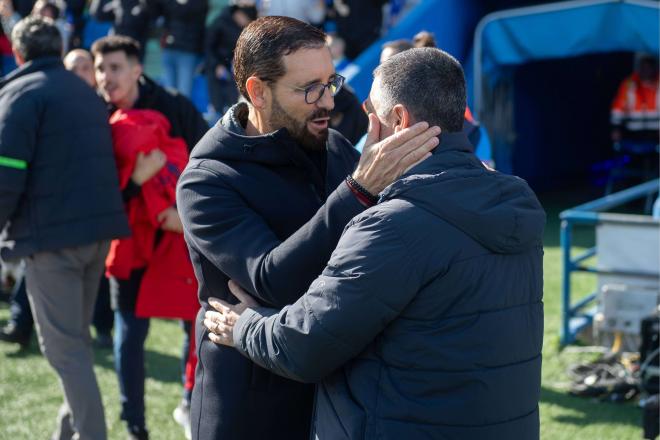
x: 298, y: 130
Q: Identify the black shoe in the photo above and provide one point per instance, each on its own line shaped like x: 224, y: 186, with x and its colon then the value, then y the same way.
x: 138, y: 433
x: 10, y: 333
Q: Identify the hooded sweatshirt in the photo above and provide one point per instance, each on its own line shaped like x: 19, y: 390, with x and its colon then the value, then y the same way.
x: 264, y: 212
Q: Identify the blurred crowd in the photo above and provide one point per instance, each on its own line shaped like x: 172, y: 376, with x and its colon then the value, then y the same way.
x: 198, y: 36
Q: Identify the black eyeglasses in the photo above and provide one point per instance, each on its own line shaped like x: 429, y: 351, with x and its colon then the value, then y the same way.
x: 315, y: 92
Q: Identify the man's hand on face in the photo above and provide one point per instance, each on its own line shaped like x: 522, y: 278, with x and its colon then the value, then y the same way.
x: 170, y: 221
x: 385, y: 161
x: 220, y: 322
x: 148, y: 165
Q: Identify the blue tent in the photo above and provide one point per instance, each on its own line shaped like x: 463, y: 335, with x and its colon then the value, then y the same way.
x: 538, y: 63
x: 452, y: 22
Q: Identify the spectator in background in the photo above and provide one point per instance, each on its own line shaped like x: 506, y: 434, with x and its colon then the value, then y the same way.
x: 358, y: 23
x: 635, y: 114
x: 309, y: 11
x: 221, y: 37
x: 182, y: 41
x: 18, y: 329
x: 122, y: 84
x: 337, y: 47
x: 80, y: 62
x: 53, y: 9
x: 347, y: 116
x: 131, y: 18
x: 424, y: 39
x: 64, y: 229
x: 394, y: 47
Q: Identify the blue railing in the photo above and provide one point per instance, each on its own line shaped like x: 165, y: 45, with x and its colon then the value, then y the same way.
x: 576, y: 316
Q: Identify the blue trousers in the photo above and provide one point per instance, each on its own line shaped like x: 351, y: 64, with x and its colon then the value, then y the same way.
x: 179, y: 70
x: 130, y: 334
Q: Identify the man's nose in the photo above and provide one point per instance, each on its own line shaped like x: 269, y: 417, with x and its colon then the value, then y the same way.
x: 327, y: 101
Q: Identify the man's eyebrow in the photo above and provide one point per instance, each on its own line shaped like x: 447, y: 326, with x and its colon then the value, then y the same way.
x: 316, y: 81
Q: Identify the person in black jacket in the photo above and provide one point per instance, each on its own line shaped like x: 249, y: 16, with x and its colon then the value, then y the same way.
x: 427, y: 322
x: 182, y: 41
x: 263, y: 200
x: 359, y: 23
x: 221, y: 37
x: 60, y: 206
x: 123, y: 86
x: 131, y: 18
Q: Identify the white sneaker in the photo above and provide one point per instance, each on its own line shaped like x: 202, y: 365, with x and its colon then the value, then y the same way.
x: 181, y: 415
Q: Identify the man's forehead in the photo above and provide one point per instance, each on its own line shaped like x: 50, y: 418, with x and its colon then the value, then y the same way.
x: 309, y: 64
x: 111, y: 57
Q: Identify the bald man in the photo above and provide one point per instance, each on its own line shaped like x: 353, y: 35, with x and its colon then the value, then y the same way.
x: 80, y: 62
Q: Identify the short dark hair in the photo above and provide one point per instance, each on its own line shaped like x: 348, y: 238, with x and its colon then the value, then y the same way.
x: 264, y: 42
x: 117, y: 43
x: 429, y: 83
x: 398, y: 46
x: 35, y: 37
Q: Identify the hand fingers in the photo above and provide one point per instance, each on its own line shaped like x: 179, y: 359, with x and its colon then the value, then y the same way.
x: 415, y: 156
x: 217, y: 327
x: 219, y: 305
x: 161, y: 216
x: 426, y: 156
x: 222, y: 339
x: 420, y: 145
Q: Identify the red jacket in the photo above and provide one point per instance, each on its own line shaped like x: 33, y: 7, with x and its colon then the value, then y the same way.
x: 168, y: 288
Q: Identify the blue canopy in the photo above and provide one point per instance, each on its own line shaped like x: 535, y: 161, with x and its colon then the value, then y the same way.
x: 452, y: 22
x: 559, y: 30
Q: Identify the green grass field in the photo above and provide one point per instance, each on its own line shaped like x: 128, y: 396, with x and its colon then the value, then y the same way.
x: 30, y: 396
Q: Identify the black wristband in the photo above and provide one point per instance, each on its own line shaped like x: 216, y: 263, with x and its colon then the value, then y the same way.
x: 361, y: 189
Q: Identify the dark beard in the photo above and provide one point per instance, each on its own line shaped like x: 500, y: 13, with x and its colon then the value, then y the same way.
x: 298, y: 130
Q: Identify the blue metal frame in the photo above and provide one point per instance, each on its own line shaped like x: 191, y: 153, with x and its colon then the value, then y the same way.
x: 574, y: 315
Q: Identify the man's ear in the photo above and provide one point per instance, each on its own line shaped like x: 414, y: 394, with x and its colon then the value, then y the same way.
x: 258, y: 91
x: 137, y: 71
x: 401, y: 118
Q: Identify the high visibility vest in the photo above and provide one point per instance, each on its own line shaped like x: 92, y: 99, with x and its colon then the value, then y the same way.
x: 636, y: 106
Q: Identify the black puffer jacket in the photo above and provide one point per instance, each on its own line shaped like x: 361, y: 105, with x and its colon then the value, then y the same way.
x: 427, y: 322
x: 58, y: 179
x: 185, y: 21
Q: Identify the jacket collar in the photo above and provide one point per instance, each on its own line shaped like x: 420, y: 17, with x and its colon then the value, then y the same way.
x: 454, y: 151
x: 36, y: 65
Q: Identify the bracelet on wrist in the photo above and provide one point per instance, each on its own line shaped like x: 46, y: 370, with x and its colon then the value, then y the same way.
x: 354, y: 185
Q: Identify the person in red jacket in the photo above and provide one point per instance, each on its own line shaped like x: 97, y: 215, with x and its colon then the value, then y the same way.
x: 155, y: 260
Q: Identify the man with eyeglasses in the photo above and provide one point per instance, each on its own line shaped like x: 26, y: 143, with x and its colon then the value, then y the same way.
x: 263, y: 201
